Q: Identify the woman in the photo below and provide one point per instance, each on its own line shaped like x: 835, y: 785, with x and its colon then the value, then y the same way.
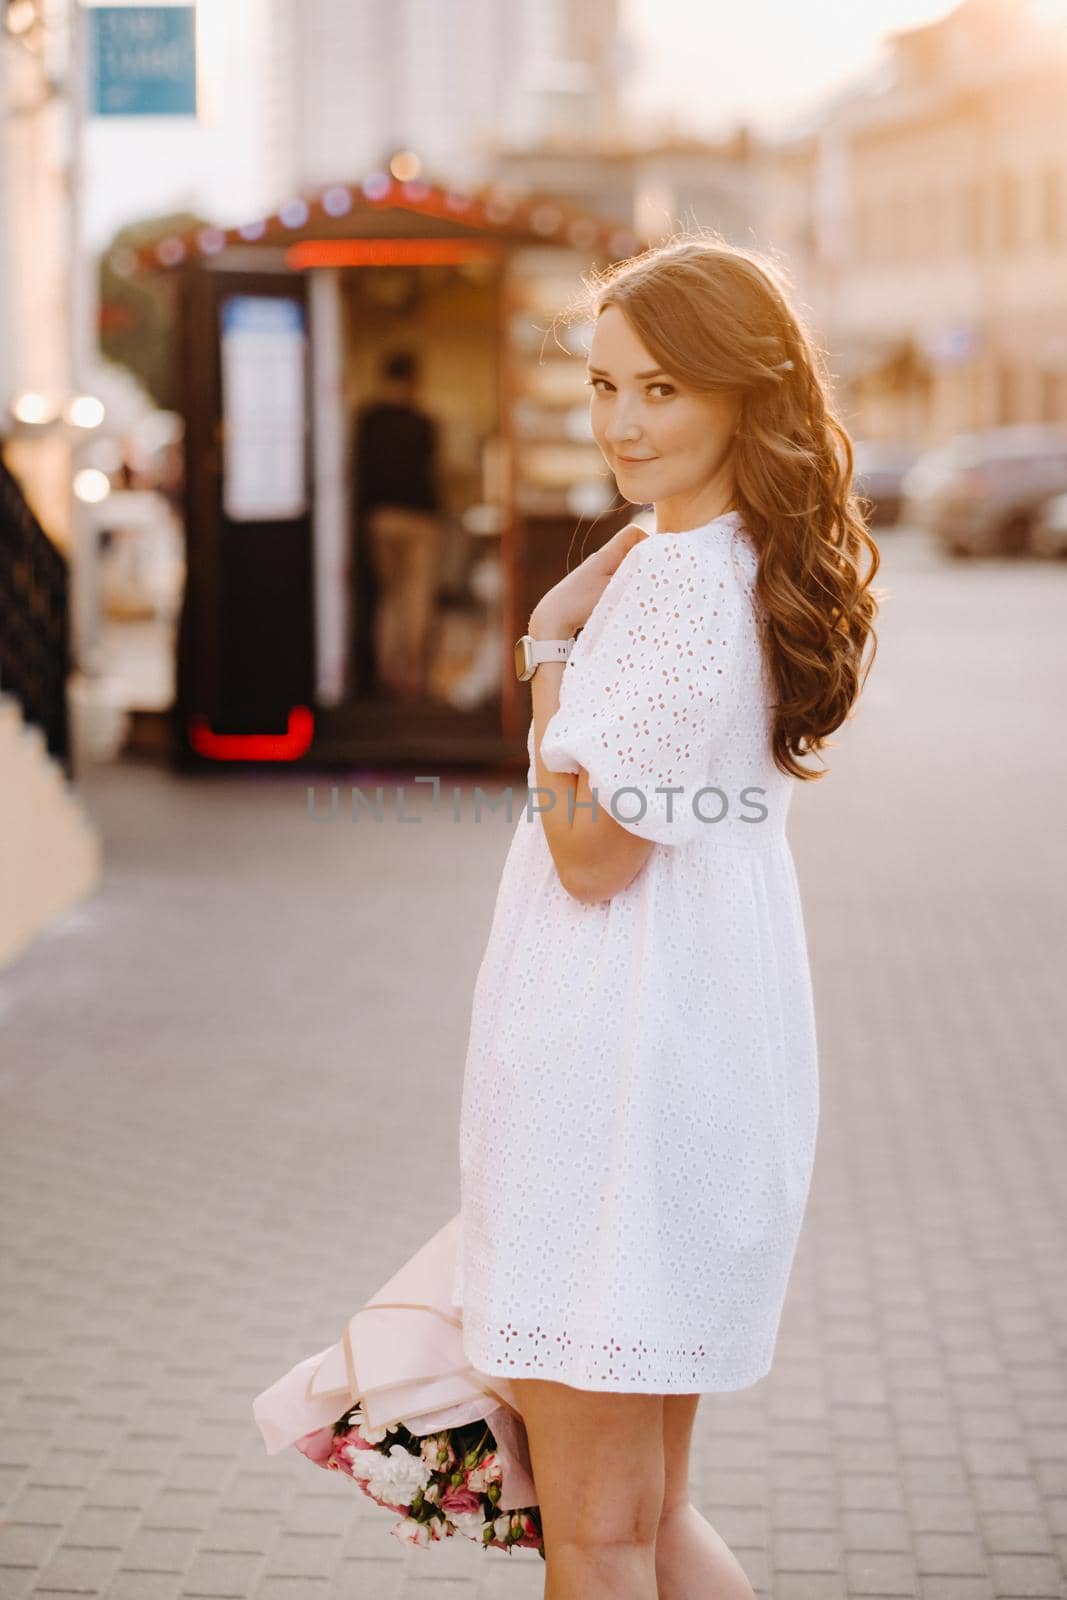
x: 640, y: 1099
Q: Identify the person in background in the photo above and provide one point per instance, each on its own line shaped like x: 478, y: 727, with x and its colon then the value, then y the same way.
x: 398, y: 506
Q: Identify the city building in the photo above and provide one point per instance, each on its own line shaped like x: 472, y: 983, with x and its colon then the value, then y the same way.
x: 938, y: 242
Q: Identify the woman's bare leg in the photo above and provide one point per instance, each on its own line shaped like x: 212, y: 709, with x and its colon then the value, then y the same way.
x: 693, y: 1562
x: 599, y: 1474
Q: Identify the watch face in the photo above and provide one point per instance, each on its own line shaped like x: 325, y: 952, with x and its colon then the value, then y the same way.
x: 523, y: 664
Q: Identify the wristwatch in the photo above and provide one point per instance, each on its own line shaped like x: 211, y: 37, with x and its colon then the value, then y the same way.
x: 530, y: 653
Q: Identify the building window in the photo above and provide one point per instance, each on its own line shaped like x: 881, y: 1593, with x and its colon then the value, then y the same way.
x: 1053, y: 396
x: 1009, y: 393
x: 1008, y: 210
x: 971, y: 219
x: 1052, y: 197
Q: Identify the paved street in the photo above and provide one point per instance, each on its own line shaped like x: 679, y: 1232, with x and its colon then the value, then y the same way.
x: 230, y: 1090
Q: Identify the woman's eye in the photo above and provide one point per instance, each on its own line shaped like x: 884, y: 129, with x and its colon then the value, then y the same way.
x: 592, y: 383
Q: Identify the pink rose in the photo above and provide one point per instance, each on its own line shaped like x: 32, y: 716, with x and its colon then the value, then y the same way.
x: 461, y: 1500
x: 531, y: 1539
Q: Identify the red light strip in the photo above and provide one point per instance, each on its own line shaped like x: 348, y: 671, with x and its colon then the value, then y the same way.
x: 387, y: 252
x: 254, y: 746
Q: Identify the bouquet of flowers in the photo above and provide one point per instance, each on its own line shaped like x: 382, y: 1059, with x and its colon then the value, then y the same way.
x: 440, y: 1484
x: 397, y: 1406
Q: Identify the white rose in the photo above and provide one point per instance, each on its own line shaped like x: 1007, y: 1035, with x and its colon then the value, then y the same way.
x: 471, y: 1524
x: 408, y: 1531
x: 486, y: 1472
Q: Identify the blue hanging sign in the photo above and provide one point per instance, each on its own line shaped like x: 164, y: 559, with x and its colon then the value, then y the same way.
x: 142, y: 61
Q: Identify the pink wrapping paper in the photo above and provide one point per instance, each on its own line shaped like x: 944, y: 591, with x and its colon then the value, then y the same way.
x: 401, y: 1359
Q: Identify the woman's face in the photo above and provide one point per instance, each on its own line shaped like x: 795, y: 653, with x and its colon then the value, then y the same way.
x: 666, y: 445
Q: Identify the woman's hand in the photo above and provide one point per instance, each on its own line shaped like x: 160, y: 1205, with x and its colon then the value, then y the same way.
x: 567, y: 606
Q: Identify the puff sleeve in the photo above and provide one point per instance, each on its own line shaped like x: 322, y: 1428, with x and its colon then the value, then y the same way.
x: 653, y: 685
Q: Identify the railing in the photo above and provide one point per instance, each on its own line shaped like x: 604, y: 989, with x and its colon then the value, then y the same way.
x: 34, y: 629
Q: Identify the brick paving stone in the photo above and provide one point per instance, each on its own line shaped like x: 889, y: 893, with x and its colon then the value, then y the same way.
x: 185, y: 1509
x: 102, y: 1527
x: 520, y: 1581
x: 812, y: 1472
x: 729, y: 1488
x: 78, y: 1571
x: 161, y: 1549
x: 1039, y: 1380
x: 1012, y: 1534
x: 949, y: 1513
x: 887, y: 1574
x: 984, y: 1457
x: 144, y: 1586
x: 926, y: 1406
x: 876, y: 1530
x: 1051, y: 1477
x: 863, y: 1422
x: 27, y: 1543
x: 70, y: 1469
x: 16, y: 1583
x: 866, y: 1455
x: 1029, y: 1577
x: 321, y: 1589
x: 222, y: 1577
x: 252, y: 1491
x: 123, y: 1490
x: 370, y: 1540
x: 311, y: 1555
x: 871, y: 1491
x: 799, y: 1509
x: 947, y: 1588
x: 420, y: 1587
x: 206, y: 1472
x: 757, y: 1568
x: 740, y: 1525
x: 12, y: 1481
x: 930, y: 1441
x: 239, y: 1530
x: 922, y: 1479
x: 808, y: 1586
x: 807, y: 1552
x: 40, y: 1504
x: 949, y: 1554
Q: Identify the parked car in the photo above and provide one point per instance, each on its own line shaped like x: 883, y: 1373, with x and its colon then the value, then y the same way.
x: 1048, y: 535
x: 979, y: 493
x: 879, y: 466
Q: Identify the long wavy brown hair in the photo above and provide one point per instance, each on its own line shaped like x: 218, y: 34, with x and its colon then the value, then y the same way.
x: 720, y: 318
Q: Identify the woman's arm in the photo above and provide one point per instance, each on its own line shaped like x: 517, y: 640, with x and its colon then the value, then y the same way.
x: 594, y: 857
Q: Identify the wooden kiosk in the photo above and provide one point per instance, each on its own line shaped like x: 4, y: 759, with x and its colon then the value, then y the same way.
x: 283, y: 324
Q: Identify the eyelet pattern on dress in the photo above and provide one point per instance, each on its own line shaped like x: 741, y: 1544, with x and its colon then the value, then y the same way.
x: 640, y: 1097
x: 665, y: 688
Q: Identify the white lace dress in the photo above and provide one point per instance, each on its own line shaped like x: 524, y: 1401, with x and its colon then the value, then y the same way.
x: 640, y: 1097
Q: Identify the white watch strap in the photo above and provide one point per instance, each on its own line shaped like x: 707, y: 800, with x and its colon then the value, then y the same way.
x: 551, y: 650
